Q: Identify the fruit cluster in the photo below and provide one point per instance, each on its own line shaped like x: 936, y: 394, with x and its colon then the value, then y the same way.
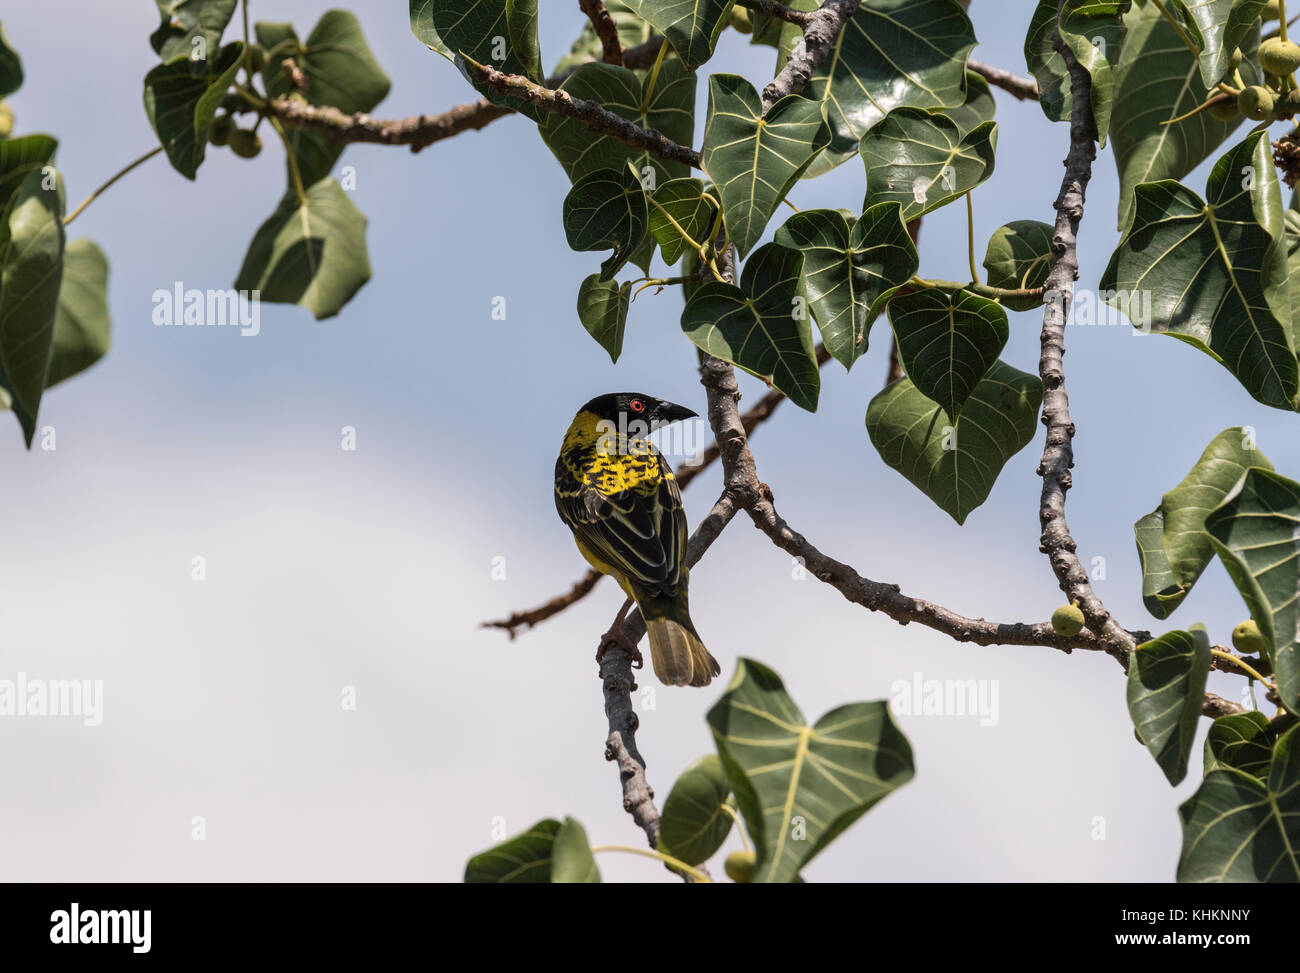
x: 1277, y: 97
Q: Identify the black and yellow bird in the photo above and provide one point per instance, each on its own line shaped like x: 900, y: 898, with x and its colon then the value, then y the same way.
x: 618, y: 496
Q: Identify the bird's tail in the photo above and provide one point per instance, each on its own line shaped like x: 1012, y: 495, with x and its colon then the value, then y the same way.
x: 678, y: 655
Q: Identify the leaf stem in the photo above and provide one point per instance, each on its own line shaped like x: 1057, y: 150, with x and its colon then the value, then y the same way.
x: 1182, y: 33
x: 293, y: 161
x: 740, y: 826
x: 654, y: 77
x: 695, y: 873
x: 122, y: 172
x: 970, y: 237
x: 975, y: 287
x: 1240, y: 664
x: 1281, y: 19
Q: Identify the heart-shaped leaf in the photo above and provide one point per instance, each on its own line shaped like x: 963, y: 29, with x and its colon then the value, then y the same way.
x: 850, y: 271
x: 922, y: 159
x: 667, y: 106
x: 31, y: 242
x: 606, y: 210
x: 1241, y: 741
x: 1220, y: 26
x: 498, y: 33
x: 956, y: 464
x: 681, y: 209
x: 691, y: 26
x: 1237, y: 828
x: 694, y: 823
x: 800, y: 786
x: 762, y: 325
x: 1157, y: 81
x: 547, y: 852
x: 1256, y: 532
x: 1172, y: 543
x: 1166, y: 687
x: 11, y: 68
x: 180, y: 105
x: 754, y: 159
x: 1019, y: 256
x: 311, y: 253
x: 341, y: 72
x: 1213, y: 272
x: 1094, y: 32
x: 891, y: 53
x: 190, y: 28
x: 602, y: 309
x: 947, y: 342
x: 81, y: 323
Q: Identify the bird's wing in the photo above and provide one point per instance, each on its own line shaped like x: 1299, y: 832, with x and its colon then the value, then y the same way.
x: 640, y: 531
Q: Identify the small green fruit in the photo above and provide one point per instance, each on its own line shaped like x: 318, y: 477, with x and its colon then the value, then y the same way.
x: 220, y: 132
x: 245, y: 143
x: 1278, y: 57
x: 6, y: 120
x: 740, y: 866
x: 1271, y: 11
x: 1256, y: 102
x: 740, y: 20
x: 1237, y: 58
x: 256, y: 58
x: 1225, y: 110
x: 1247, y: 638
x: 1067, y: 620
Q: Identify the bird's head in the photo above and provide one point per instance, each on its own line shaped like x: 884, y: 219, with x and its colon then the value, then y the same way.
x: 623, y: 409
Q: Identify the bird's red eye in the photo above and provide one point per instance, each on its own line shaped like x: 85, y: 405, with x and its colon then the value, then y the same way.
x: 637, y: 405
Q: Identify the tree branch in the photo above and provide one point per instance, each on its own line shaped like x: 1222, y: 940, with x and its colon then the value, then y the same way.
x: 1058, y: 451
x: 596, y: 117
x: 820, y: 30
x: 603, y: 24
x: 1025, y: 89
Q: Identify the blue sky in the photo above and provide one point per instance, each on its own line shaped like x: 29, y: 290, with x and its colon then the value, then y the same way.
x: 372, y: 569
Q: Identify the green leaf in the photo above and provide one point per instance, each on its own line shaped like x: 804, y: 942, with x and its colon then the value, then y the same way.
x: 1158, y: 80
x: 1221, y: 26
x: 604, y: 210
x: 341, y: 72
x: 632, y: 30
x: 1166, y: 687
x: 186, y: 21
x: 1094, y: 32
x: 680, y: 206
x: 668, y: 109
x: 602, y: 309
x: 1172, y: 543
x: 956, y: 464
x: 1256, y: 532
x: 31, y: 241
x: 1233, y: 247
x: 499, y: 33
x: 180, y: 106
x: 313, y: 254
x: 947, y: 342
x: 18, y: 158
x: 923, y: 160
x: 800, y: 786
x: 571, y: 857
x: 81, y: 324
x: 850, y: 271
x: 1019, y: 255
x: 1241, y: 741
x: 762, y: 325
x: 694, y: 823
x: 11, y: 68
x: 892, y: 53
x: 691, y: 26
x: 1237, y: 828
x: 754, y: 160
x: 523, y: 860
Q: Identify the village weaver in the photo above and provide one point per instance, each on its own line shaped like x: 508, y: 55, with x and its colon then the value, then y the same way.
x: 617, y: 494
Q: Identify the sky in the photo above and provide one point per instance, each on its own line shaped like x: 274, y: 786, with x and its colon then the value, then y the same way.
x: 324, y: 705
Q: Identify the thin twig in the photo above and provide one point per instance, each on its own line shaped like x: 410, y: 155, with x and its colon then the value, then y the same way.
x: 1025, y: 89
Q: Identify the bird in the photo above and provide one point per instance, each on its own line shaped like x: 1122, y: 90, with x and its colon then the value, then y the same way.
x: 617, y: 494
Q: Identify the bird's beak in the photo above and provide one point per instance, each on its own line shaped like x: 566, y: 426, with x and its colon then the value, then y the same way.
x: 669, y: 412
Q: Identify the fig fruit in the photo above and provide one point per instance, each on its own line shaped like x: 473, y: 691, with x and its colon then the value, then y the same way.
x: 740, y: 866
x: 221, y: 129
x: 1067, y: 620
x: 1278, y: 57
x: 1256, y: 102
x: 1246, y: 638
x: 245, y: 143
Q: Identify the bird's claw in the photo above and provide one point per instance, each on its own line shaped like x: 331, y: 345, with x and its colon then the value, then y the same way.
x: 616, y: 637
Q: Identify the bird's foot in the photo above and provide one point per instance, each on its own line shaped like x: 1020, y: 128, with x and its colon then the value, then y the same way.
x: 616, y: 637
